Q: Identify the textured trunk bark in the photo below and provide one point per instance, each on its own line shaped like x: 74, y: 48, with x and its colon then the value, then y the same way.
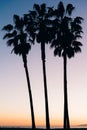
x: 29, y: 90
x: 45, y: 85
x: 66, y: 115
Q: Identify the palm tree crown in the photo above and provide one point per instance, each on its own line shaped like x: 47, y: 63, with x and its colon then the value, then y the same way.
x: 17, y: 36
x: 68, y: 30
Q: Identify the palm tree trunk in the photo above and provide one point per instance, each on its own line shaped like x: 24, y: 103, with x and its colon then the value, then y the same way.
x: 45, y: 85
x: 66, y: 115
x: 29, y: 89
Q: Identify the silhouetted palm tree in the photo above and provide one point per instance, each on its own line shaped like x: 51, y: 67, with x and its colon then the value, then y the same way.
x: 17, y: 37
x: 66, y: 43
x: 41, y: 37
x: 37, y: 21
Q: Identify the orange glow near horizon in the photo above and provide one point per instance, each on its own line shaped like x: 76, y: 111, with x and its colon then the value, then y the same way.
x: 24, y: 122
x: 19, y: 122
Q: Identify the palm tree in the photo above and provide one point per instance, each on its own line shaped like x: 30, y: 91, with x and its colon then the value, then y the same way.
x: 18, y: 38
x: 41, y: 37
x: 37, y: 21
x: 66, y: 43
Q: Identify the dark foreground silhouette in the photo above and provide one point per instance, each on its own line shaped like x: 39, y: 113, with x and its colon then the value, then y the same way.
x: 19, y: 128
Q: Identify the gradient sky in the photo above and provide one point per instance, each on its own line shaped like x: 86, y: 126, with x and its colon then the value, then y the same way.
x: 14, y: 102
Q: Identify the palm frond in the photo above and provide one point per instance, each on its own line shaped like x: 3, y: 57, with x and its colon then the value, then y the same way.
x: 27, y: 48
x: 61, y: 9
x: 77, y: 49
x: 50, y: 11
x: 77, y: 36
x: 43, y: 8
x: 78, y: 20
x: 53, y: 44
x: 32, y: 38
x: 70, y: 52
x: 78, y: 32
x: 58, y: 52
x: 19, y: 22
x: 16, y: 19
x: 22, y: 48
x: 9, y: 35
x: 69, y: 9
x: 76, y: 27
x: 8, y: 27
x: 32, y: 14
x: 77, y: 43
x: 16, y: 50
x: 37, y: 8
x: 10, y: 42
x: 26, y: 19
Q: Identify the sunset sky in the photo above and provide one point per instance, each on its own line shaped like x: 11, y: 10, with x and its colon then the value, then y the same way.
x: 14, y: 101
